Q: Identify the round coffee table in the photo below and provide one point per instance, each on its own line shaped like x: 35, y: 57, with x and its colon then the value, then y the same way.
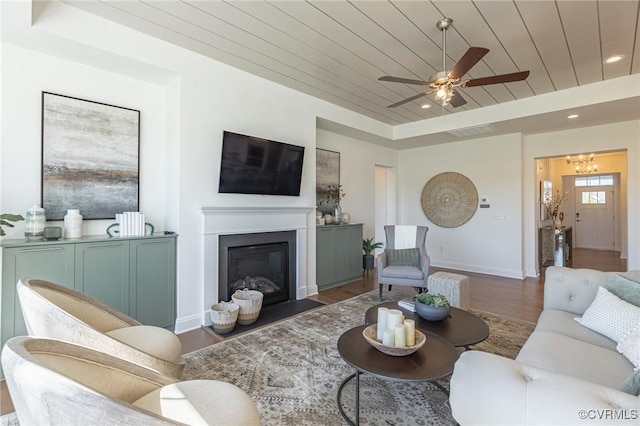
x: 434, y: 360
x: 462, y: 328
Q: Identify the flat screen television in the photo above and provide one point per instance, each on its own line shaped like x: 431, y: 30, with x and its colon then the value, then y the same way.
x: 252, y: 165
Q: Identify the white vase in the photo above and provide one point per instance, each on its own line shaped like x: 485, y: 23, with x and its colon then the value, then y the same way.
x: 73, y: 224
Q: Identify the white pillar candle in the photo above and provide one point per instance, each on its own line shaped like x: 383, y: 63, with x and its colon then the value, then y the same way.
x: 410, y: 332
x: 382, y: 322
x: 388, y: 338
x: 394, y: 317
x: 399, y: 341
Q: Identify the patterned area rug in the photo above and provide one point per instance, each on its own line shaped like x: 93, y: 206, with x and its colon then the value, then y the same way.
x: 292, y: 369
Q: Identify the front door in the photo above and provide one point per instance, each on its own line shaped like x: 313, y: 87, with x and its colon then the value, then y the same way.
x: 595, y: 221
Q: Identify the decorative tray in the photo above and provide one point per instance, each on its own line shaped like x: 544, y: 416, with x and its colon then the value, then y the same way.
x: 370, y: 335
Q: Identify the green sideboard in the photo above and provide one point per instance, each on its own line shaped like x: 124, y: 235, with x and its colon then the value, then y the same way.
x: 338, y: 254
x: 136, y: 275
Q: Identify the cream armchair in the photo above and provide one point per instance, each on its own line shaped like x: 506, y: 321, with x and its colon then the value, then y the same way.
x: 59, y: 383
x: 405, y: 260
x: 57, y: 312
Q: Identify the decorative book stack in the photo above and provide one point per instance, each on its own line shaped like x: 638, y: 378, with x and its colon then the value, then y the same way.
x: 131, y: 224
x: 407, y: 304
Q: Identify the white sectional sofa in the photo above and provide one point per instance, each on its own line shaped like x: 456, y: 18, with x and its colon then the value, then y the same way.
x: 564, y: 374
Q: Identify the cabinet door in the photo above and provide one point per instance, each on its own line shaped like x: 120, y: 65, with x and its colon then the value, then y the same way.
x: 348, y: 249
x: 354, y: 252
x: 153, y: 281
x: 325, y: 246
x: 102, y: 271
x: 51, y: 263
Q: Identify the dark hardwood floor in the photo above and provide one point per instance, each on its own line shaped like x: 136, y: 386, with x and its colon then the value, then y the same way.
x: 521, y: 299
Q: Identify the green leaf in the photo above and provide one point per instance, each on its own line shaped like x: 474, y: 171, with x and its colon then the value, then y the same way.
x: 11, y: 217
x: 5, y: 220
x: 436, y: 299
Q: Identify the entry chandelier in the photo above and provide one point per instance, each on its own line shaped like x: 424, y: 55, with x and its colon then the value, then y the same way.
x: 584, y: 165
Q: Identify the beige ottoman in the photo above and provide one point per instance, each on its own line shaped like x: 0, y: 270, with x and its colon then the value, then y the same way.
x: 454, y: 287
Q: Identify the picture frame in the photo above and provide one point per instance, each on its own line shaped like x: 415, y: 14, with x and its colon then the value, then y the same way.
x: 327, y: 173
x: 90, y: 157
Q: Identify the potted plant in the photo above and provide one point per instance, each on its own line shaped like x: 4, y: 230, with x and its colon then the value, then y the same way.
x: 432, y: 307
x: 6, y: 219
x: 368, y: 246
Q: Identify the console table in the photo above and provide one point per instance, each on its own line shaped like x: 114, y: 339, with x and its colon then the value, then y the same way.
x: 136, y: 275
x: 555, y: 246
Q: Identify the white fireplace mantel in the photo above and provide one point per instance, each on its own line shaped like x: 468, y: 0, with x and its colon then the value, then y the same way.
x: 225, y: 220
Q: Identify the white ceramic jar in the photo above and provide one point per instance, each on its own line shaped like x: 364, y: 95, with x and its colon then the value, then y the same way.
x: 73, y: 224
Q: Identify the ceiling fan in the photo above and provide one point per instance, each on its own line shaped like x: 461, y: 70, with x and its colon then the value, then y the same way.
x: 444, y: 83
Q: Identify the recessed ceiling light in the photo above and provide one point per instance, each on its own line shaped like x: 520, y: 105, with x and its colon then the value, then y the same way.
x: 573, y: 116
x: 614, y: 58
x: 425, y: 106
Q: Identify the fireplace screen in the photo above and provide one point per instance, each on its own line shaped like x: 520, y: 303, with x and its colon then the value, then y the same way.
x: 262, y: 268
x: 264, y: 262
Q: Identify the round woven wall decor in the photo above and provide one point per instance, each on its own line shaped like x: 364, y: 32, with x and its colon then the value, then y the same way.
x: 449, y: 199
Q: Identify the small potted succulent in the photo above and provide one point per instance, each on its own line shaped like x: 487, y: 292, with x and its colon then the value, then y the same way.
x: 368, y: 246
x: 432, y: 307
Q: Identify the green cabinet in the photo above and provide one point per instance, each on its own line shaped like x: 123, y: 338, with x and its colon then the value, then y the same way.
x: 102, y: 271
x: 152, y: 300
x: 135, y: 275
x: 54, y: 262
x: 338, y: 254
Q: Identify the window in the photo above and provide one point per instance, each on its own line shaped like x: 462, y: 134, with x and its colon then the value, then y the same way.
x: 594, y: 197
x: 602, y: 180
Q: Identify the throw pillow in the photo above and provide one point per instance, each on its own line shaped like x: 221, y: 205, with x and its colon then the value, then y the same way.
x: 632, y: 384
x: 625, y: 289
x: 632, y: 275
x: 610, y: 315
x: 403, y: 257
x: 629, y: 346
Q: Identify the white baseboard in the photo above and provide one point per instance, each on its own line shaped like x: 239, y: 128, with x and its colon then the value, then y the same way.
x: 191, y: 323
x: 479, y: 269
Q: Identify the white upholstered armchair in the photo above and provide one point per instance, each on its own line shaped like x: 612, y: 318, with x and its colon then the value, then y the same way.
x: 58, y: 383
x: 57, y: 312
x: 405, y: 260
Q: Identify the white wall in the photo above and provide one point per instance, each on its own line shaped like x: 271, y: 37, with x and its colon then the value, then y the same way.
x: 186, y: 101
x: 25, y: 74
x: 358, y: 160
x: 482, y: 244
x: 611, y: 137
x: 503, y: 170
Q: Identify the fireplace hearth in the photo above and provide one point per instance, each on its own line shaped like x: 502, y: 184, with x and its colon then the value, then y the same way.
x: 265, y: 262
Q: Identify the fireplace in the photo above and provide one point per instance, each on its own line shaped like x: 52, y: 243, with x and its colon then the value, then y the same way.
x: 264, y: 261
x: 218, y: 222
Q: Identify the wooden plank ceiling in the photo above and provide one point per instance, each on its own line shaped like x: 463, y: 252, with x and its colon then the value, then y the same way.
x: 337, y: 50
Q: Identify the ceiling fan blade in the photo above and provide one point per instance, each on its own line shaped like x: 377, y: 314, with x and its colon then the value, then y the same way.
x: 403, y: 80
x: 503, y: 78
x: 471, y: 57
x: 457, y: 99
x: 404, y: 101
